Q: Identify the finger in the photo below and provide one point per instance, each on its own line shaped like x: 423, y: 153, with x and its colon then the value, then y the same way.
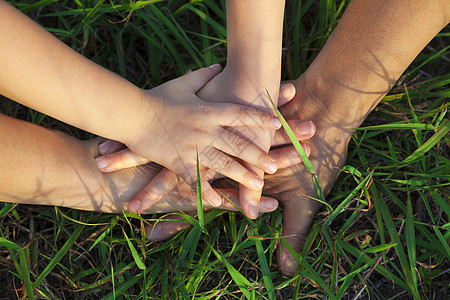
x: 240, y: 115
x: 198, y: 78
x: 119, y: 160
x: 189, y: 174
x: 159, y: 231
x: 250, y: 201
x: 247, y: 151
x: 297, y: 218
x: 231, y: 201
x: 288, y: 156
x: 287, y: 93
x: 158, y: 187
x: 227, y: 166
x: 109, y: 146
x: 209, y: 194
x: 303, y: 130
x: 162, y: 230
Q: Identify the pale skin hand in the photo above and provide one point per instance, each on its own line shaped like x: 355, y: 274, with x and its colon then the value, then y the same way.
x: 285, y: 155
x: 186, y: 126
x: 43, y: 73
x: 338, y: 91
x: 46, y: 167
x: 253, y: 69
x: 254, y: 34
x: 116, y: 157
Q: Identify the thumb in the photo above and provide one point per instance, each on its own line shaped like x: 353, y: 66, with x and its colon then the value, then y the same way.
x: 297, y: 218
x: 198, y: 78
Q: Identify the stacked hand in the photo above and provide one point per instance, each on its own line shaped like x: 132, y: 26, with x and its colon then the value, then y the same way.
x: 180, y: 126
x: 291, y: 184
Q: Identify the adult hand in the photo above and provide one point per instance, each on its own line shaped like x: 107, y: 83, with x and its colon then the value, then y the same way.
x: 293, y: 185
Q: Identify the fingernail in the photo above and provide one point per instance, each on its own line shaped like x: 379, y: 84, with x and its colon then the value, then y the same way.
x: 272, y: 167
x: 134, y: 206
x: 305, y: 128
x: 214, y: 67
x: 216, y: 201
x: 295, y: 157
x: 268, y: 205
x: 307, y: 149
x: 276, y: 123
x: 253, y: 211
x: 284, y: 91
x: 102, y: 163
x: 258, y: 183
x: 154, y: 231
x: 105, y: 147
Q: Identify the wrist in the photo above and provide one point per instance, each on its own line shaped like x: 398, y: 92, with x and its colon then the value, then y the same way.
x: 330, y: 103
x: 142, y: 125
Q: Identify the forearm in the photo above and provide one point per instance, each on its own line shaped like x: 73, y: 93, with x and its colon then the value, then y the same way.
x: 254, y: 30
x: 373, y: 44
x: 41, y: 72
x: 40, y: 166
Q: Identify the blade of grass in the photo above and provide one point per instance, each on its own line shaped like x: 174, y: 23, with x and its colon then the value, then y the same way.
x: 64, y: 249
x: 436, y: 138
x: 399, y: 249
x: 25, y: 270
x: 264, y: 267
x: 411, y: 240
x: 137, y: 259
x: 301, y: 152
x: 350, y: 196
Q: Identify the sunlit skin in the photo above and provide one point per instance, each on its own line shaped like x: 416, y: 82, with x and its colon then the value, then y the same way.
x: 43, y: 73
x: 373, y: 44
x: 47, y: 167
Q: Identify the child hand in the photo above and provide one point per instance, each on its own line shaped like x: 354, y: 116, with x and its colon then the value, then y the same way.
x: 116, y: 157
x: 182, y: 126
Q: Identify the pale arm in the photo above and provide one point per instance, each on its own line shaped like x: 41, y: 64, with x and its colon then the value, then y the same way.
x: 46, y: 167
x: 254, y: 30
x: 43, y: 73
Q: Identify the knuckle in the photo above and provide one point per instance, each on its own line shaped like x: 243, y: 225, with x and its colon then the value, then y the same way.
x: 239, y: 144
x: 226, y: 163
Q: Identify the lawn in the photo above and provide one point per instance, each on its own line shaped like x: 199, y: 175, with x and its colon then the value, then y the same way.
x: 385, y: 235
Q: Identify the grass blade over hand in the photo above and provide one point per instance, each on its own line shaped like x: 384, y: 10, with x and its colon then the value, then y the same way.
x: 300, y: 150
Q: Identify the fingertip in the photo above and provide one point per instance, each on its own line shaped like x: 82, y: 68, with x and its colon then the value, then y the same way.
x: 313, y: 127
x: 134, y: 206
x: 102, y: 163
x: 307, y: 149
x: 304, y: 129
x: 287, y: 92
x: 252, y: 211
x: 288, y: 264
x: 215, y: 67
x: 216, y: 201
x: 152, y: 232
x: 268, y: 204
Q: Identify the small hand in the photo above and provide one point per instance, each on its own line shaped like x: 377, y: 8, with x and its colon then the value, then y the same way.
x: 123, y: 185
x: 184, y: 127
x: 285, y: 156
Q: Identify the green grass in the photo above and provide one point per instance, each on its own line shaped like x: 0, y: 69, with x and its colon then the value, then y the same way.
x: 386, y: 233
